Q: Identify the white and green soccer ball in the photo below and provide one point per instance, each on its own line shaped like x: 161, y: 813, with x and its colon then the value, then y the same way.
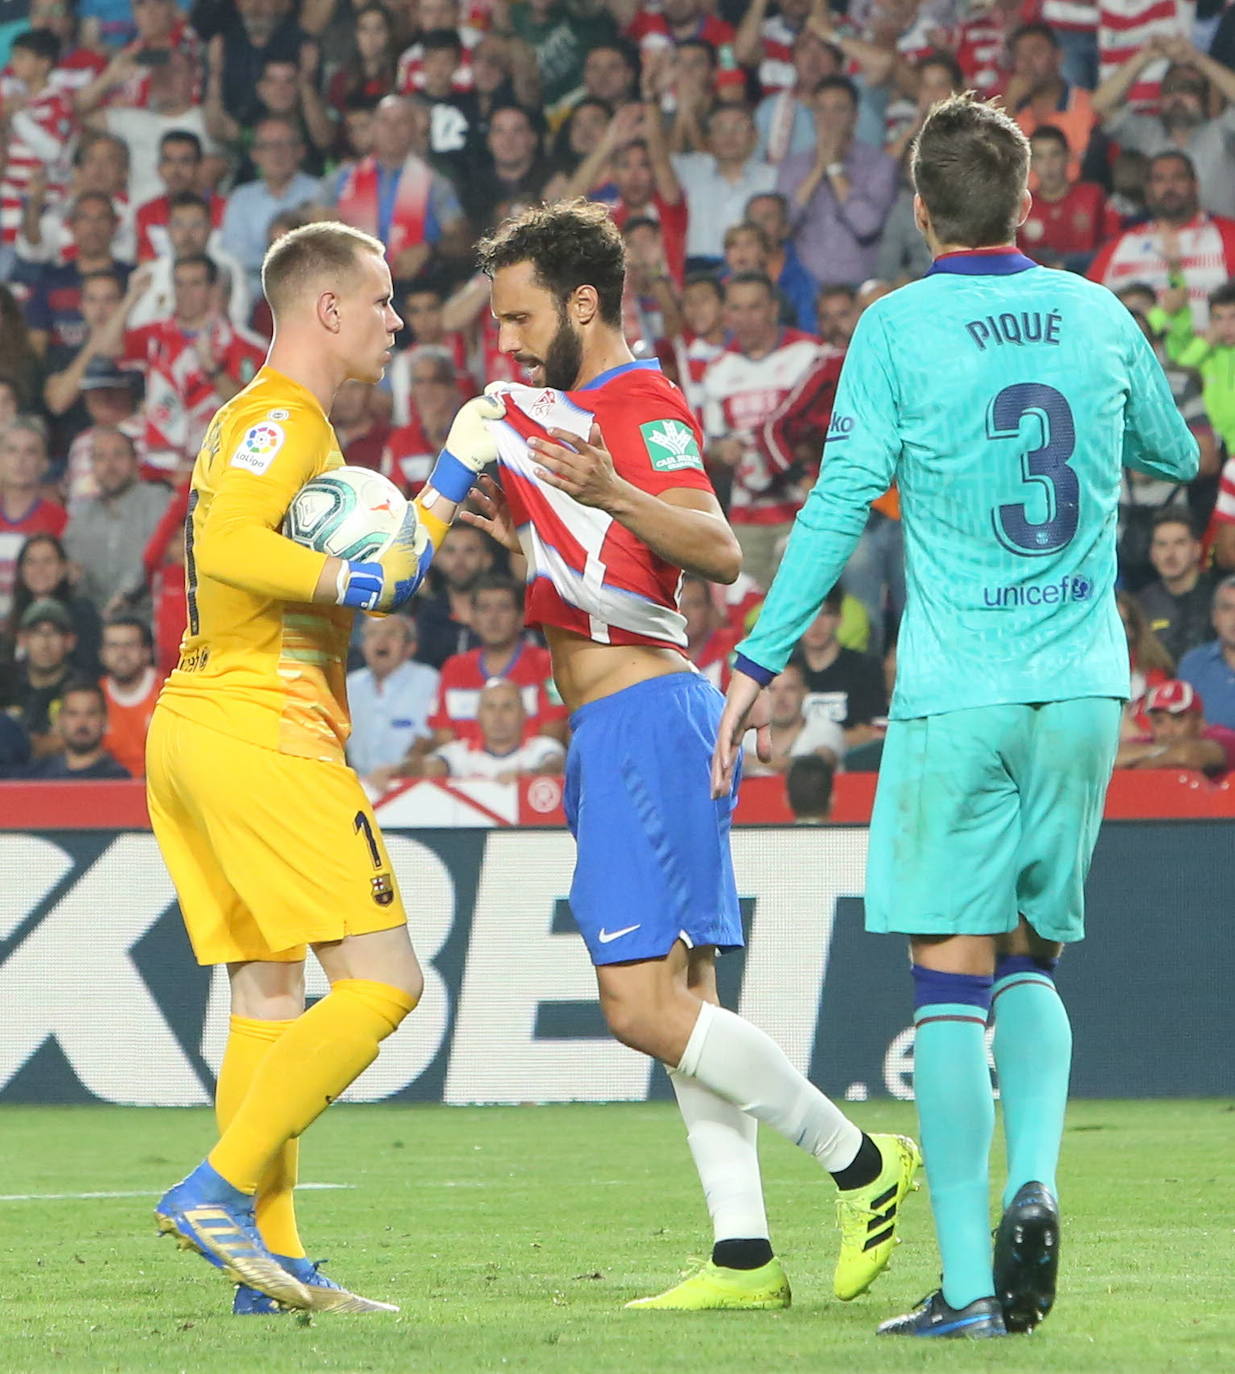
x: 350, y: 512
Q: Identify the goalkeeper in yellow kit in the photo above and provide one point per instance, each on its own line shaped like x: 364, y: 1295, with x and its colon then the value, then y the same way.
x: 266, y: 832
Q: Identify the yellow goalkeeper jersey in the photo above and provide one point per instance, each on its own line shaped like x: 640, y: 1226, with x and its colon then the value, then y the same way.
x: 258, y: 660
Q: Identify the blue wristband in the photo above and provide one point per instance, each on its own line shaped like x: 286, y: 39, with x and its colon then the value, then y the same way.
x: 453, y: 478
x: 762, y: 675
x: 364, y: 585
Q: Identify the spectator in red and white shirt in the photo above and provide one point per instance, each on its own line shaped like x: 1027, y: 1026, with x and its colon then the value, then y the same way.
x: 741, y: 389
x: 179, y: 169
x: 23, y: 510
x: 680, y: 21
x: 768, y: 43
x: 505, y: 653
x: 410, y: 450
x: 702, y: 337
x: 1180, y: 245
x: 502, y: 749
x: 1125, y: 27
x: 1068, y: 220
x: 437, y: 14
x: 709, y: 640
x: 633, y: 158
x: 191, y: 233
x: 981, y: 46
x: 194, y: 361
x: 38, y: 120
x: 161, y: 28
x: 1179, y: 736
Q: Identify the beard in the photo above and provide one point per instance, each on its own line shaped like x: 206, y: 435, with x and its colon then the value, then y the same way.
x: 1176, y: 117
x: 564, y: 357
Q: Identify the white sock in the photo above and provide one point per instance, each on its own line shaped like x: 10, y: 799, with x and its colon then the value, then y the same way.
x: 748, y: 1068
x: 722, y: 1142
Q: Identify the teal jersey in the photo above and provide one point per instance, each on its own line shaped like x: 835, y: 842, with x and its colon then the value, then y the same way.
x: 1003, y: 398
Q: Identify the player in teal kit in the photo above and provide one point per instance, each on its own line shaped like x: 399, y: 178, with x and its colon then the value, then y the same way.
x: 1003, y: 399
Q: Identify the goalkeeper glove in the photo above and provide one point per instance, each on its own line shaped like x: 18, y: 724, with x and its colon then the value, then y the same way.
x: 383, y: 584
x: 470, y: 448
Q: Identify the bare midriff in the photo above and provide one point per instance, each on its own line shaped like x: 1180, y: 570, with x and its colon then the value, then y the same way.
x: 586, y: 671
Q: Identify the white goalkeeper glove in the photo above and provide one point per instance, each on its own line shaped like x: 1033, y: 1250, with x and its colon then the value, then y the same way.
x: 470, y: 447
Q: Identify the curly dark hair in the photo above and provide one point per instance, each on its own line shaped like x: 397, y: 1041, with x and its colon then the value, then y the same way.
x: 572, y: 244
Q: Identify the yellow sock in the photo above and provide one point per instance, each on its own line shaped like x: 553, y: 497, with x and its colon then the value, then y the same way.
x: 311, y: 1063
x: 248, y: 1043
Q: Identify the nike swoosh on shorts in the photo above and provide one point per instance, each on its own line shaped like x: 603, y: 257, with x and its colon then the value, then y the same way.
x: 605, y: 936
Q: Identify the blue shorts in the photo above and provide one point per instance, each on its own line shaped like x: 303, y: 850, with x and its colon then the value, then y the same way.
x: 653, y: 863
x: 986, y: 815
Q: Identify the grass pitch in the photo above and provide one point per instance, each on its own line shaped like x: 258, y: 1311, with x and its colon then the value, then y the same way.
x: 512, y: 1236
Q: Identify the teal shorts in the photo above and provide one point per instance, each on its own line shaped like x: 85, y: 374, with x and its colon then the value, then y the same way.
x: 984, y: 815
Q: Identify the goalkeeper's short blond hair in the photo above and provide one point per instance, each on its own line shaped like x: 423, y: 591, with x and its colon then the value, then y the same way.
x: 323, y: 254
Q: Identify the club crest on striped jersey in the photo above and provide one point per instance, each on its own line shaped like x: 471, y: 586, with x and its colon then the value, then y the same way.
x: 671, y: 445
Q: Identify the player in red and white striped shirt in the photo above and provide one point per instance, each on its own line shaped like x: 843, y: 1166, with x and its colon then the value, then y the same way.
x: 603, y: 492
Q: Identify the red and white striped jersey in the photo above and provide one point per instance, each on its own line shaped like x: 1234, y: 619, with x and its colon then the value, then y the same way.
x: 981, y: 45
x: 1207, y: 260
x: 410, y: 76
x: 1124, y: 28
x: 693, y: 355
x: 408, y: 457
x: 739, y: 394
x: 151, y: 219
x: 40, y: 135
x: 587, y: 572
x: 1076, y: 16
x: 775, y: 69
x: 1224, y: 509
x: 180, y: 397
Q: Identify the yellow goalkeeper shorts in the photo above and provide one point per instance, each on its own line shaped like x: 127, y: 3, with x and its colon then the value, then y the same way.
x: 269, y: 852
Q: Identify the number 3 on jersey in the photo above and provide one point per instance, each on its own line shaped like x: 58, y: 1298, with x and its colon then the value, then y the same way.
x: 1046, y: 466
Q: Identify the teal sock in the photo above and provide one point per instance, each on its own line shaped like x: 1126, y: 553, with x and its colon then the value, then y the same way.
x: 1033, y: 1058
x: 956, y: 1111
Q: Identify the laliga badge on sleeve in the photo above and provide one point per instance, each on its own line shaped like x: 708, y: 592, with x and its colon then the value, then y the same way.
x: 259, y: 446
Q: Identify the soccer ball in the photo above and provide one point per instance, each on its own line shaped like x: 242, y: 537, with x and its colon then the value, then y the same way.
x: 350, y: 512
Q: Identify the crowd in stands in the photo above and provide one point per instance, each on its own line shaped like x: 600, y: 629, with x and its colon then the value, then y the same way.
x: 754, y: 154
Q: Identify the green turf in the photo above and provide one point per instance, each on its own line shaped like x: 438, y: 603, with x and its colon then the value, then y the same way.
x: 511, y: 1237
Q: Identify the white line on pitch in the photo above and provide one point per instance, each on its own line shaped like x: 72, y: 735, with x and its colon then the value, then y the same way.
x: 142, y: 1192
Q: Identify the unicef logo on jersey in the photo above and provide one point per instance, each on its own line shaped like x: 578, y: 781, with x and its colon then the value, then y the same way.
x: 1073, y: 587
